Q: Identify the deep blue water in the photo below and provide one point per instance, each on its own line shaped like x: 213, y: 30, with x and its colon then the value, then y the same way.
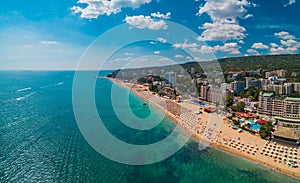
x: 40, y: 140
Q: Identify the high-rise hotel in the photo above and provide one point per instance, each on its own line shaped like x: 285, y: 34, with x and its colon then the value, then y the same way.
x: 286, y: 112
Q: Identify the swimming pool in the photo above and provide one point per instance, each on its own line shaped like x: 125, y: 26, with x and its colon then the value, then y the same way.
x: 197, y: 102
x: 255, y: 127
x: 252, y: 121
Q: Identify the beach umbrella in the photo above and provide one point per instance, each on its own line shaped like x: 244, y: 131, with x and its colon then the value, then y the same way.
x: 261, y: 152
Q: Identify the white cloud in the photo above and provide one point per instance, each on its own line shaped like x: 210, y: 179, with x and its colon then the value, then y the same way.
x: 284, y: 35
x: 161, y: 16
x: 143, y: 22
x: 222, y: 31
x: 252, y: 51
x: 274, y: 45
x: 128, y: 54
x: 224, y: 15
x: 229, y: 9
x: 185, y: 45
x: 156, y: 52
x: 94, y: 8
x: 167, y: 60
x: 179, y: 56
x: 290, y: 3
x: 248, y: 16
x: 288, y: 44
x: 49, y: 42
x: 241, y: 42
x: 162, y: 40
x: 231, y: 48
x: 126, y: 59
x: 259, y: 46
x: 204, y: 49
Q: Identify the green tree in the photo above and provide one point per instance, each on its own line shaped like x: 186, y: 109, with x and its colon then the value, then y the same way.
x: 229, y: 101
x: 239, y: 107
x: 266, y: 130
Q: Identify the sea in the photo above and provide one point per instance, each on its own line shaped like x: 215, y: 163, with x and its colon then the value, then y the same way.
x: 40, y: 140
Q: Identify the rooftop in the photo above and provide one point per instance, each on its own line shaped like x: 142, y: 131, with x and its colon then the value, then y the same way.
x: 288, y: 119
x: 265, y: 94
x: 286, y: 132
x: 291, y: 99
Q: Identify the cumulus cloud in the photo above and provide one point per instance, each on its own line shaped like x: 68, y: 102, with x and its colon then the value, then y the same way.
x: 126, y: 59
x: 248, y: 16
x: 49, y: 42
x: 95, y: 8
x: 288, y: 44
x: 143, y: 22
x: 161, y: 16
x: 203, y: 49
x: 284, y: 35
x: 185, y: 45
x: 231, y: 48
x: 259, y: 46
x: 162, y: 40
x: 179, y: 56
x: 224, y: 15
x: 252, y: 51
x: 222, y: 31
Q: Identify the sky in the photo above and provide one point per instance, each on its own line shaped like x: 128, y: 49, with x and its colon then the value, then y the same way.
x: 58, y: 35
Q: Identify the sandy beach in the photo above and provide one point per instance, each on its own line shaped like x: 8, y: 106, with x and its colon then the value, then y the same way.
x: 215, y: 131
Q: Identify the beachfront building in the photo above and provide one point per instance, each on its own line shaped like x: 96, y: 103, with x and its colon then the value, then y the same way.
x: 214, y: 94
x: 238, y: 86
x: 286, y: 112
x: 170, y: 78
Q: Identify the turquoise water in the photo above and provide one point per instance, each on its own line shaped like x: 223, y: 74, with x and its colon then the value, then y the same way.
x: 40, y: 140
x: 252, y: 121
x: 197, y: 102
x: 253, y: 125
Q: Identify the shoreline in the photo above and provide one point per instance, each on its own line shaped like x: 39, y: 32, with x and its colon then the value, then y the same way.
x: 216, y: 141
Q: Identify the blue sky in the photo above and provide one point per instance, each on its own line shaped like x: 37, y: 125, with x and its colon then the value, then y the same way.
x: 46, y: 35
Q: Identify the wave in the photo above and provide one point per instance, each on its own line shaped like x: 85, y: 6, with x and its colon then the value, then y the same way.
x: 57, y: 84
x: 26, y: 96
x: 24, y: 89
x: 61, y: 83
